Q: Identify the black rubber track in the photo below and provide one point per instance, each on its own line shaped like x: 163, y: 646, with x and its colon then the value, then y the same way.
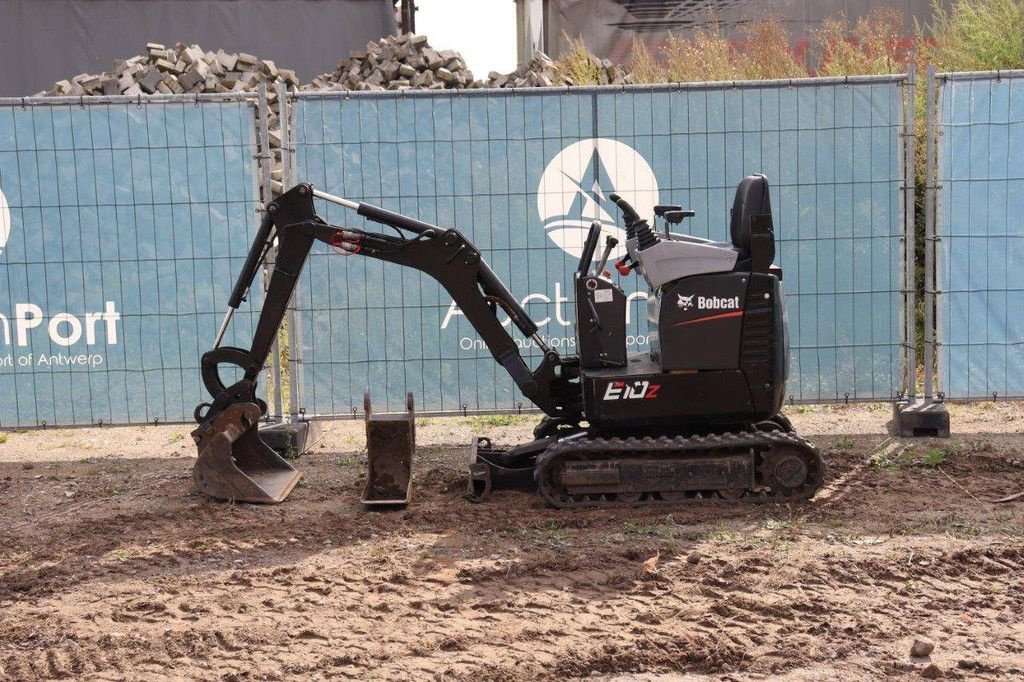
x: 763, y: 445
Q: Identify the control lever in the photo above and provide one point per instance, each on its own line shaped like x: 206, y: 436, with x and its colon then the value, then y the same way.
x: 676, y: 216
x: 589, y: 246
x: 624, y: 266
x: 595, y: 319
x: 610, y: 243
x: 628, y: 212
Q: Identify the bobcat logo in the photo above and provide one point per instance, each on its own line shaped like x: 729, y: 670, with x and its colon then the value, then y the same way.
x: 685, y: 302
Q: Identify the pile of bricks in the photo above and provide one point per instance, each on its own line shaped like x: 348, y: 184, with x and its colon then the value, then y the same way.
x: 392, y: 63
x: 398, y: 63
x: 612, y: 74
x: 542, y: 71
x: 177, y: 70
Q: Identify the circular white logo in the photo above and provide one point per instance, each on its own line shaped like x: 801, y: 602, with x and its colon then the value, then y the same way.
x: 574, y: 191
x: 5, y: 221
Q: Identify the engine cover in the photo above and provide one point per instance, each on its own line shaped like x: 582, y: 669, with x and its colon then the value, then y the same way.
x: 697, y: 322
x: 718, y: 356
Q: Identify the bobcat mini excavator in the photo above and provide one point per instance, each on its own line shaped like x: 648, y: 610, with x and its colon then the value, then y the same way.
x: 695, y: 417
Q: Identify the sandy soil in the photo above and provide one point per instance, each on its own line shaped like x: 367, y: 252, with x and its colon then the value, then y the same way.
x: 112, y: 567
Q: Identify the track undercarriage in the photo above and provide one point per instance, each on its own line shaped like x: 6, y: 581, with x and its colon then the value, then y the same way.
x: 764, y: 463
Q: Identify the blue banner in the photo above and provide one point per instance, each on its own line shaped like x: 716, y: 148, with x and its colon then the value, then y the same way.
x: 523, y: 173
x: 122, y: 228
x: 980, y: 224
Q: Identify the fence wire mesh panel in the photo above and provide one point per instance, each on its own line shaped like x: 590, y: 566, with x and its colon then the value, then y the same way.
x: 523, y: 173
x: 980, y: 229
x: 122, y: 226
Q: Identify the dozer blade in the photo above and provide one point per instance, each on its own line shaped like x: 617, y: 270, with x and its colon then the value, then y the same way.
x: 235, y: 464
x: 390, y: 444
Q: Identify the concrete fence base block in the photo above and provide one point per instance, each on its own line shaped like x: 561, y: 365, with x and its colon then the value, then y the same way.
x: 291, y: 439
x: 921, y: 419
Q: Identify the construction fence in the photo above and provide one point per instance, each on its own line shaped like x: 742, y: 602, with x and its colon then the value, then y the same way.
x: 977, y: 195
x: 124, y: 222
x: 522, y: 174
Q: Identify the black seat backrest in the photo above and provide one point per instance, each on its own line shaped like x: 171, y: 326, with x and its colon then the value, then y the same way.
x: 752, y: 199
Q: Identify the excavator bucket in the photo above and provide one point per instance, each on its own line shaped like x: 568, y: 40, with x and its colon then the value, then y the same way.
x: 235, y: 464
x: 390, y: 443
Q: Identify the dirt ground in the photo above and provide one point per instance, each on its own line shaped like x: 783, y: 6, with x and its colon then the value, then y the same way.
x: 112, y: 567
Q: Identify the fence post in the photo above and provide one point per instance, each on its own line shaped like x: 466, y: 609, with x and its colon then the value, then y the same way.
x: 265, y: 160
x: 909, y: 170
x: 930, y: 240
x: 297, y: 435
x: 288, y: 180
x: 924, y: 417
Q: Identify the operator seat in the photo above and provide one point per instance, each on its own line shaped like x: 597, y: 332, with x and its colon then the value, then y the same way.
x: 752, y: 199
x: 665, y: 258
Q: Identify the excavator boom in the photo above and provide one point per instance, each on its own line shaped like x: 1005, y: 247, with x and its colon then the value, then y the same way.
x: 234, y: 463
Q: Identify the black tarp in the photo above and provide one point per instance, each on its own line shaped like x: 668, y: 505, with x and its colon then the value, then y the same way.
x: 43, y: 41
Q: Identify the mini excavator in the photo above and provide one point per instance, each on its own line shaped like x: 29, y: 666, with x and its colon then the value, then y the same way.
x: 696, y: 417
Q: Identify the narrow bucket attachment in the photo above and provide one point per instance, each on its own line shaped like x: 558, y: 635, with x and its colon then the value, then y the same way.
x: 390, y: 443
x: 235, y: 464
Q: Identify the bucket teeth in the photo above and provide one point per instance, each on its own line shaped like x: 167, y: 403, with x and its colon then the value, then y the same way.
x: 235, y: 464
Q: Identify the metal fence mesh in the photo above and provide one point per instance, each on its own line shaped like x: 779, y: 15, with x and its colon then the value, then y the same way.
x: 521, y: 173
x: 980, y: 229
x: 147, y: 207
x: 124, y: 223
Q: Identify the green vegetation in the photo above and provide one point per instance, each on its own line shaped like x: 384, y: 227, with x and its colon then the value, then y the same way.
x: 975, y: 35
x: 579, y: 63
x: 643, y: 65
x: 934, y: 458
x: 870, y: 46
x: 710, y: 56
x: 844, y: 444
x: 492, y: 420
x: 725, y: 534
x: 3, y: 438
x: 350, y: 461
x: 971, y: 35
x: 647, y: 530
x: 550, y: 532
x: 768, y: 54
x: 284, y: 348
x: 957, y: 526
x: 707, y: 56
x: 886, y: 459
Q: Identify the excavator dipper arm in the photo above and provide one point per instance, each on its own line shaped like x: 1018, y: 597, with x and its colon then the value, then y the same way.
x: 444, y: 254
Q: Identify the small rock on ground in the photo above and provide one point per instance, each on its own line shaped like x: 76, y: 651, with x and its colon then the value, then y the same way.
x: 922, y: 647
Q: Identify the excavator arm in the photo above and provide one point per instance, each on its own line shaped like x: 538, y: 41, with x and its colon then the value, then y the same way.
x: 238, y: 465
